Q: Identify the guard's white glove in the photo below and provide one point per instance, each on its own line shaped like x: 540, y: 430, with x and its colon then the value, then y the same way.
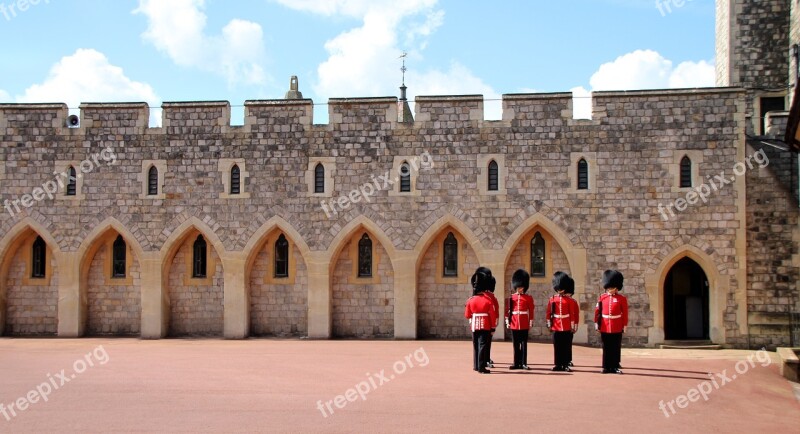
x: 507, y: 326
x: 596, y: 327
x: 530, y: 324
x: 548, y: 324
x: 625, y: 329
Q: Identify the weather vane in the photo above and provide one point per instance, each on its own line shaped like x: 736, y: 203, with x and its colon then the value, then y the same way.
x: 403, y: 68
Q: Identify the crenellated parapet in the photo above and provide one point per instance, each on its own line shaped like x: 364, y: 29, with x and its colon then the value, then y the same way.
x: 32, y: 118
x: 369, y: 114
x: 452, y: 109
x: 278, y: 115
x: 527, y: 110
x: 131, y: 117
x: 546, y: 112
x: 196, y: 117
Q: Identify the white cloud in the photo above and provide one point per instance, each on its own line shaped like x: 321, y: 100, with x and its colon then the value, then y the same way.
x: 87, y: 76
x: 4, y: 96
x: 642, y: 69
x: 647, y: 69
x: 693, y: 74
x: 364, y: 61
x: 176, y: 28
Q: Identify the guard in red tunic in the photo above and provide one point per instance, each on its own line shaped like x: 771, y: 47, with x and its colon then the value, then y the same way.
x: 519, y: 317
x: 611, y: 319
x: 490, y: 293
x: 575, y: 311
x: 482, y: 316
x: 561, y: 320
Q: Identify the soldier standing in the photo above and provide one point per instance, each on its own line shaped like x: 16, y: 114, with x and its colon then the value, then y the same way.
x: 519, y: 317
x: 482, y: 316
x: 611, y: 319
x: 575, y: 311
x: 561, y: 320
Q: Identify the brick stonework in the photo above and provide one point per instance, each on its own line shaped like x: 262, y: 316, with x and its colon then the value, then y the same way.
x: 278, y: 310
x: 32, y: 309
x: 772, y: 240
x: 440, y: 313
x: 195, y: 309
x: 541, y: 287
x: 113, y: 309
x: 363, y: 310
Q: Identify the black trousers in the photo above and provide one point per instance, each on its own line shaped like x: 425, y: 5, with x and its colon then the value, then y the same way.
x: 480, y: 349
x: 562, y: 348
x: 519, y: 339
x: 569, y: 350
x: 612, y: 350
x: 489, y: 347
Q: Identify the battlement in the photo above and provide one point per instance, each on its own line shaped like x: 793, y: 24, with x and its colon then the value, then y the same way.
x: 449, y: 108
x: 115, y: 115
x: 551, y: 110
x: 278, y: 115
x: 199, y: 116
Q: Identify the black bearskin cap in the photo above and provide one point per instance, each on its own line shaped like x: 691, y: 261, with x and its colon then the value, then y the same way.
x: 480, y: 280
x: 521, y: 279
x: 562, y: 281
x: 612, y: 279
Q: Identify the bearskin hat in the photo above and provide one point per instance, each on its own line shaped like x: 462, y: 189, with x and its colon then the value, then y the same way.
x: 612, y: 279
x: 491, y: 284
x: 480, y: 280
x: 562, y: 281
x: 521, y: 279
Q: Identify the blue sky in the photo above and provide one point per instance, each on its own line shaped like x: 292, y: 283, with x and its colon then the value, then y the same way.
x: 182, y: 50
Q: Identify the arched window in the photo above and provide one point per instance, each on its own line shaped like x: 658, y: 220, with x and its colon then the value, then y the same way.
x: 686, y: 172
x: 405, y: 178
x: 72, y: 182
x: 365, y: 256
x: 450, y: 256
x: 39, y: 259
x: 236, y: 179
x: 119, y: 258
x: 281, y: 257
x: 199, y: 258
x: 537, y: 256
x: 319, y: 178
x: 152, y: 181
x: 494, y: 176
x: 583, y: 175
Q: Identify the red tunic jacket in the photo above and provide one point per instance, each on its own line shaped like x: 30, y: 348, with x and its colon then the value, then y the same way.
x: 481, y: 312
x: 496, y: 305
x: 611, y: 313
x: 562, y: 313
x: 520, y: 312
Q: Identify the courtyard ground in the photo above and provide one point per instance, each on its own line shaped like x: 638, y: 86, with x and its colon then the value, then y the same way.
x: 261, y: 385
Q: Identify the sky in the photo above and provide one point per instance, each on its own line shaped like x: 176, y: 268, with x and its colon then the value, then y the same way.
x: 75, y: 51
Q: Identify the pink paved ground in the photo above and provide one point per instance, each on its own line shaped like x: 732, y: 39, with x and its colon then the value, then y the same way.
x: 274, y: 385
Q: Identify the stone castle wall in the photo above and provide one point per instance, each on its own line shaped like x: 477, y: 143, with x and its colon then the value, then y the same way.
x: 633, y: 145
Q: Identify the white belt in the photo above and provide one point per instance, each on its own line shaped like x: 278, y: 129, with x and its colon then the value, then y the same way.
x: 612, y: 316
x: 561, y: 316
x: 520, y: 312
x: 479, y: 314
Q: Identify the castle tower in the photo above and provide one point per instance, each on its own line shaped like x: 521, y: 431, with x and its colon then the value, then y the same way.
x: 753, y: 52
